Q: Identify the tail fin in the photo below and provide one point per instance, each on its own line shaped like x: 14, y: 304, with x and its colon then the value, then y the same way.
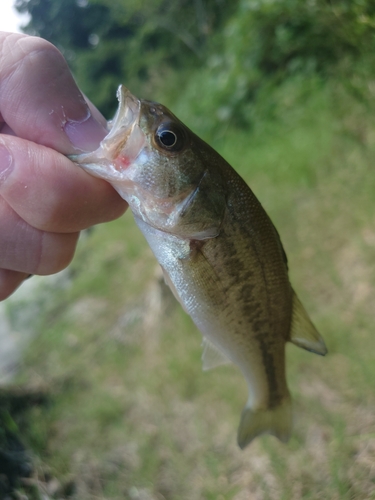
x: 276, y: 421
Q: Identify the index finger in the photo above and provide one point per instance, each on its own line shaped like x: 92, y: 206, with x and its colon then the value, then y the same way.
x: 39, y: 99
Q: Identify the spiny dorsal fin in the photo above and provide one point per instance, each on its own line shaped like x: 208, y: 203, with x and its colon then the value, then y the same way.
x: 212, y: 356
x: 303, y: 333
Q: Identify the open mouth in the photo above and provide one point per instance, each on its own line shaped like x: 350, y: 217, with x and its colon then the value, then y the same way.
x: 127, y: 114
x: 121, y: 146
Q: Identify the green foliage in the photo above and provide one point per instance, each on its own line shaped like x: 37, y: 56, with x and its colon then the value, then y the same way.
x: 267, y: 43
x: 221, y: 56
x: 111, y: 41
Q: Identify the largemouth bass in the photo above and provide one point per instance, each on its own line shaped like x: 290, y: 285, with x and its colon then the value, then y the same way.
x: 219, y: 251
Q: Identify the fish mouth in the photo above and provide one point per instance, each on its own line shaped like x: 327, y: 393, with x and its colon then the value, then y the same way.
x: 121, y: 145
x: 127, y: 114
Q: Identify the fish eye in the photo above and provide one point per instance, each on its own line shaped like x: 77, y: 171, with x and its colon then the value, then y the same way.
x: 170, y: 137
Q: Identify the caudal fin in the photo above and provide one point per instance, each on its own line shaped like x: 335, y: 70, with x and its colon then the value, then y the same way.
x: 276, y: 421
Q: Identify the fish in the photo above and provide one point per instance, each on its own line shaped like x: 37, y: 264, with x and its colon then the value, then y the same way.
x: 219, y: 251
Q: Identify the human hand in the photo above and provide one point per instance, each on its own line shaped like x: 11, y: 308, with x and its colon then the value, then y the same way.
x: 45, y: 200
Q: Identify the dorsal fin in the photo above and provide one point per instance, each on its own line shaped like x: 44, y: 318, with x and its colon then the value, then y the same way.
x: 212, y: 356
x: 303, y: 333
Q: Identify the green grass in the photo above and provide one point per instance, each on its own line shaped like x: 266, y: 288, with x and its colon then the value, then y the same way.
x: 133, y: 416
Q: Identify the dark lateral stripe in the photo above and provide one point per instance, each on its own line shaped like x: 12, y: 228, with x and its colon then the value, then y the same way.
x: 274, y: 396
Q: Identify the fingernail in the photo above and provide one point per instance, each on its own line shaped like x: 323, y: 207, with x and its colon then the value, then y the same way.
x: 6, y: 162
x: 85, y: 135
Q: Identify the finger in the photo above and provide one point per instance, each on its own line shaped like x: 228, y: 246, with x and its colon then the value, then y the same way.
x: 10, y: 281
x: 29, y: 250
x: 50, y: 192
x: 39, y: 98
x: 5, y: 129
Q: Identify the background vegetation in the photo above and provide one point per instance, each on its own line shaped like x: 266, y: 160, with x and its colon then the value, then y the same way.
x: 284, y: 89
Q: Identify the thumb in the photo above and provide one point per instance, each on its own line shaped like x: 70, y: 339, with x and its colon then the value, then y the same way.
x: 39, y: 99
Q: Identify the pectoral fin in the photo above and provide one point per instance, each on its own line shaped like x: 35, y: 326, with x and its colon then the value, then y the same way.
x: 212, y: 356
x: 200, y: 215
x: 303, y: 333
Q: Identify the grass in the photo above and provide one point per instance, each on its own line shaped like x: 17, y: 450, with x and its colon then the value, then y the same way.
x: 132, y: 415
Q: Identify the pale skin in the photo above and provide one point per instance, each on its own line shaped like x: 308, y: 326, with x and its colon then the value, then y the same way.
x: 45, y: 200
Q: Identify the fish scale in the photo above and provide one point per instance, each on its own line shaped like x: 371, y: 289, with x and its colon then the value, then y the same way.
x: 219, y: 251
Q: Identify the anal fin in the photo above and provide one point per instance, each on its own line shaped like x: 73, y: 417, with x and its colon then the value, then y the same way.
x: 212, y: 356
x: 303, y: 333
